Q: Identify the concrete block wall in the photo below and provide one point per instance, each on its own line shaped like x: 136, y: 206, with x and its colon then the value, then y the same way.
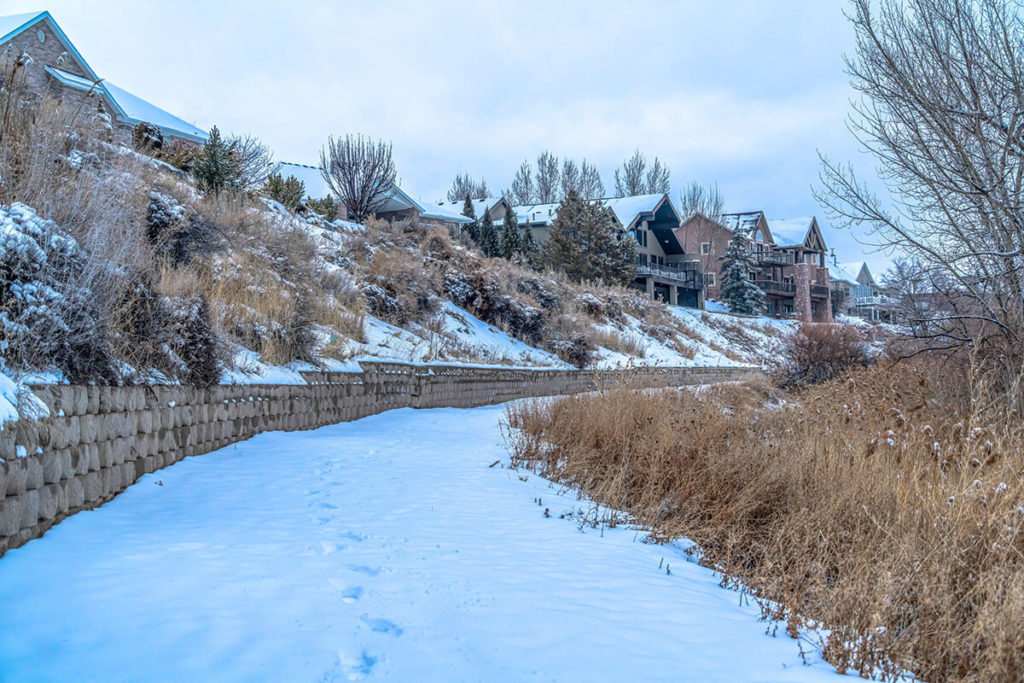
x: 99, y: 440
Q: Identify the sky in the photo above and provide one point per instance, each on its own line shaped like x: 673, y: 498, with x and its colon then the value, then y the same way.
x: 742, y: 93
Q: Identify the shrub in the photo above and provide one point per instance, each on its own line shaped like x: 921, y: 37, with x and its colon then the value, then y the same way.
x: 193, y: 341
x: 815, y: 353
x: 326, y: 207
x: 286, y: 191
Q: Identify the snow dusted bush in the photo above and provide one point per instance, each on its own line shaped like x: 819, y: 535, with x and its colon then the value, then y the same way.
x: 177, y: 234
x: 47, y: 319
x: 193, y: 342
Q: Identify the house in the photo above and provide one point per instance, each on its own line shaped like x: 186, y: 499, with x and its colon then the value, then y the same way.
x: 399, y: 206
x: 495, y: 206
x: 790, y: 255
x: 57, y: 69
x: 665, y: 271
x: 860, y: 294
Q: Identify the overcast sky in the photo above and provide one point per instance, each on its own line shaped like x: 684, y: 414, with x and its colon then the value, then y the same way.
x: 739, y: 92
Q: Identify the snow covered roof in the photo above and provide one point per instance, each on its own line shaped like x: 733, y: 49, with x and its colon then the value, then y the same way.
x: 398, y: 200
x: 479, y: 205
x: 625, y: 209
x: 745, y: 221
x: 309, y: 175
x: 130, y: 108
x: 14, y: 24
x: 137, y: 110
x: 791, y: 231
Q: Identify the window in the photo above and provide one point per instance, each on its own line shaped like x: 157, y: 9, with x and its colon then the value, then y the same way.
x: 705, y: 248
x: 709, y: 279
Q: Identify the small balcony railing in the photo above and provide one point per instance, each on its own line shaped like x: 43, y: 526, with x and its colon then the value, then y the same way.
x: 776, y: 287
x: 819, y: 290
x: 775, y: 257
x: 689, y: 278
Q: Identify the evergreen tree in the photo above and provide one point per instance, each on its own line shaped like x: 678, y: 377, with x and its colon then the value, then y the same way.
x: 530, y: 249
x: 488, y: 236
x: 215, y: 166
x: 473, y: 229
x: 738, y: 291
x: 326, y: 207
x: 287, y: 191
x: 584, y: 243
x: 511, y: 238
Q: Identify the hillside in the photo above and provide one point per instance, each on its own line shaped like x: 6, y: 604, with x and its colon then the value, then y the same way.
x: 119, y: 269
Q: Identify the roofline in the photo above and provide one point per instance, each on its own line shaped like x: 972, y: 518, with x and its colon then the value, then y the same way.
x: 60, y: 34
x: 98, y: 86
x: 395, y: 189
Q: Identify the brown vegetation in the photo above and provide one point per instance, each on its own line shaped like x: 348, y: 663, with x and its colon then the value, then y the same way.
x: 886, y: 506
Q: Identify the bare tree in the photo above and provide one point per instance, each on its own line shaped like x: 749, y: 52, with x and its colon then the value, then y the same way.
x: 658, y: 178
x: 359, y: 172
x: 548, y: 178
x: 522, y: 190
x: 706, y: 200
x: 465, y: 185
x: 942, y: 111
x: 253, y: 160
x: 570, y: 178
x: 591, y: 186
x: 636, y: 177
x: 631, y: 179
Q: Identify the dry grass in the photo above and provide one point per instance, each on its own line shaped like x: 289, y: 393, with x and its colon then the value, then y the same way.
x: 887, y: 506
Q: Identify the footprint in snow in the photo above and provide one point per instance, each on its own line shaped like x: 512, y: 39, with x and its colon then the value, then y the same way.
x: 348, y: 593
x: 382, y: 626
x: 363, y: 569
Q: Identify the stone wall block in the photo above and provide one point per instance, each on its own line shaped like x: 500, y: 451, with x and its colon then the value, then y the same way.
x: 29, y: 508
x: 16, y: 476
x: 8, y: 445
x: 10, y: 515
x: 47, y: 503
x: 93, y: 485
x: 75, y: 489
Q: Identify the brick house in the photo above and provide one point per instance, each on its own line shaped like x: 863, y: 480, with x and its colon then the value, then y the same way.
x: 790, y: 255
x: 56, y: 69
x: 665, y: 270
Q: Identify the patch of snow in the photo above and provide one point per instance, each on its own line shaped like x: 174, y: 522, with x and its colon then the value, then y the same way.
x: 388, y: 548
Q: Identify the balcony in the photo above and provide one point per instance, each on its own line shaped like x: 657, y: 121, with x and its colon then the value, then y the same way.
x: 819, y: 291
x: 776, y: 287
x: 690, y: 278
x: 775, y: 257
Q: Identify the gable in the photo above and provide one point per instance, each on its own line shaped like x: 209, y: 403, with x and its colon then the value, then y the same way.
x: 54, y: 50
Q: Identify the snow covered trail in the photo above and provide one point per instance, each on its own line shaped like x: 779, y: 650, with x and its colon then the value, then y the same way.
x: 382, y: 549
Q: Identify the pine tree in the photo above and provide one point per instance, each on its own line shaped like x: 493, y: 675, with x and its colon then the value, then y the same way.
x: 488, y: 236
x: 473, y: 229
x: 287, y: 191
x: 511, y: 238
x: 530, y: 249
x: 738, y: 291
x: 584, y: 243
x: 215, y: 166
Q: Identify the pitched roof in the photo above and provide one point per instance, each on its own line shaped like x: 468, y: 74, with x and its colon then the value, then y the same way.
x: 128, y: 108
x: 14, y: 24
x: 625, y: 209
x: 479, y: 205
x: 745, y: 221
x: 398, y: 200
x: 791, y: 231
x: 309, y: 175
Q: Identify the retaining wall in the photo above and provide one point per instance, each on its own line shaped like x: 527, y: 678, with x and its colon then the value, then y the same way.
x: 99, y: 440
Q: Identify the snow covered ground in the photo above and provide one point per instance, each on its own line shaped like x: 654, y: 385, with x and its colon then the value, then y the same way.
x: 383, y: 549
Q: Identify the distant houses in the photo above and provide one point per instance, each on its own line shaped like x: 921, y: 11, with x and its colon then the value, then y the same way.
x: 55, y: 68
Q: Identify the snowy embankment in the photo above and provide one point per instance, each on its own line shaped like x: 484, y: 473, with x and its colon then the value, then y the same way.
x: 387, y: 549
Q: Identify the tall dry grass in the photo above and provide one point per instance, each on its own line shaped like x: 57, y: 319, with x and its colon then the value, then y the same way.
x: 886, y: 506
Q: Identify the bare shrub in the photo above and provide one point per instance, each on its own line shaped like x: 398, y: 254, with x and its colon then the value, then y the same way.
x: 815, y: 353
x: 883, y: 507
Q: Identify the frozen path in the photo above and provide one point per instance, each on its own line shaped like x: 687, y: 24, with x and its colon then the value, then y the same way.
x: 383, y: 549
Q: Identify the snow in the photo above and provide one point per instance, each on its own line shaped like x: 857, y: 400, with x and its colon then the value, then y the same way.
x: 382, y: 549
x: 139, y: 109
x: 787, y: 231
